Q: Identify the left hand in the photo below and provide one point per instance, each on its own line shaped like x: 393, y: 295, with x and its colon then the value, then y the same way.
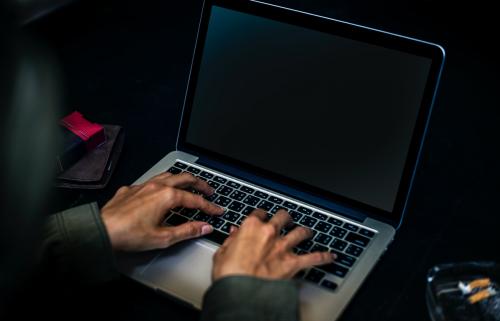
x: 134, y: 215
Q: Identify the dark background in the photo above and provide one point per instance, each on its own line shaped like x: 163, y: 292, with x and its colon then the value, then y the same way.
x: 127, y: 62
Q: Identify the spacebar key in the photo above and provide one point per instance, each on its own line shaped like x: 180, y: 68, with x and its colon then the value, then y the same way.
x: 217, y: 237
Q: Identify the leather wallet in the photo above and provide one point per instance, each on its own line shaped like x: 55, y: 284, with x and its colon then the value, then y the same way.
x: 94, y: 170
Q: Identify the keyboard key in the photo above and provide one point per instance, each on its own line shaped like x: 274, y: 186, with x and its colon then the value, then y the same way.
x: 354, y: 250
x: 219, y: 179
x: 329, y: 284
x: 323, y: 227
x: 290, y: 205
x: 202, y: 217
x: 174, y: 170
x: 193, y: 170
x: 351, y: 227
x: 295, y: 216
x: 224, y: 190
x: 231, y: 216
x: 276, y: 208
x: 236, y: 206
x: 213, y: 184
x: 366, y: 233
x: 323, y: 239
x: 216, y: 222
x: 176, y: 219
x: 251, y: 200
x: 247, y: 210
x: 180, y: 165
x: 237, y: 195
x: 222, y: 201
x: 335, y: 269
x: 212, y: 197
x: 206, y: 175
x: 314, y: 275
x: 241, y: 219
x: 344, y: 259
x: 226, y: 228
x: 320, y: 216
x: 233, y: 184
x: 265, y: 205
x: 275, y: 200
x: 308, y: 221
x: 216, y: 237
x: 338, y: 232
x: 335, y: 221
x: 269, y: 216
x: 357, y: 239
x: 305, y: 245
x: 319, y: 248
x: 188, y: 212
x: 339, y: 245
x: 247, y: 189
x: 304, y: 210
x: 260, y: 194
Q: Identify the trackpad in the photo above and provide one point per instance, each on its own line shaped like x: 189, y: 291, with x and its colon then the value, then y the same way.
x: 183, y: 271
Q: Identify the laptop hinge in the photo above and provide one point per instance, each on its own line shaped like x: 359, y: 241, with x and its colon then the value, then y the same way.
x: 283, y: 189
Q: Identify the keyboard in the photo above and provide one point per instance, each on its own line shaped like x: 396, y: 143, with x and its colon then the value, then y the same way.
x: 347, y: 239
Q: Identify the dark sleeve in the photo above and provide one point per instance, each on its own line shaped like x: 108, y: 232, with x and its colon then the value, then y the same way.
x: 247, y: 298
x: 75, y: 246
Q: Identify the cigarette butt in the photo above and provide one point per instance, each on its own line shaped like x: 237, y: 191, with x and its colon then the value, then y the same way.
x: 479, y: 283
x: 479, y: 296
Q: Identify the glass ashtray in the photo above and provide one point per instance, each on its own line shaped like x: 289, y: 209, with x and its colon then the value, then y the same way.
x: 468, y: 291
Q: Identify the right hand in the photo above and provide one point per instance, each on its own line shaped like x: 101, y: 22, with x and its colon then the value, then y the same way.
x: 257, y: 249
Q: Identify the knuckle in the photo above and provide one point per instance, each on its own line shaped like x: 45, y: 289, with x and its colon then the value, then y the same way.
x: 151, y: 186
x: 123, y: 189
x: 269, y: 230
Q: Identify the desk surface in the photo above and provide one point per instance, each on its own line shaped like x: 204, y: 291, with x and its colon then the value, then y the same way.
x: 127, y: 63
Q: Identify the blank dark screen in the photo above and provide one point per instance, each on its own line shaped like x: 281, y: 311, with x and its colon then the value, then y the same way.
x: 328, y: 111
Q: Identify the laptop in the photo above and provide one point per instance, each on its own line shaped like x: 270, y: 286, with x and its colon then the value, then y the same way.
x: 286, y: 109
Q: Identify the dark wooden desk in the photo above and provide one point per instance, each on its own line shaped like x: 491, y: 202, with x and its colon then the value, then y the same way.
x: 127, y: 62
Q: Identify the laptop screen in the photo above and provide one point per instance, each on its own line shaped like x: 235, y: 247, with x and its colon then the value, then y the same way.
x: 331, y: 112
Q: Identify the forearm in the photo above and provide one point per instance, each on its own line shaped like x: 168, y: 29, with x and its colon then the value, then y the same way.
x: 75, y: 246
x: 246, y: 298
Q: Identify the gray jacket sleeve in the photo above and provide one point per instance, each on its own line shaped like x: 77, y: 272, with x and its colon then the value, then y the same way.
x: 75, y: 246
x: 251, y: 299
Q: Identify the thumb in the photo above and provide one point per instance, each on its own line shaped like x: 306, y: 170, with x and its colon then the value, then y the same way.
x: 186, y: 231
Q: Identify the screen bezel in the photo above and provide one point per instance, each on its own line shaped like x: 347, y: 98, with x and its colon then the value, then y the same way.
x: 338, y: 28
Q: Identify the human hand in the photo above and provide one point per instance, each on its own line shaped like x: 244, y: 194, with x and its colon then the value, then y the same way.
x: 134, y: 215
x: 257, y: 249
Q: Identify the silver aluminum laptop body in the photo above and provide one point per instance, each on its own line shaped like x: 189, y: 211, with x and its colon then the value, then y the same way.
x: 184, y: 271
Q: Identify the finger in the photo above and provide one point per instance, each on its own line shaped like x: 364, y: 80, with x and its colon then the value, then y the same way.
x: 190, y: 200
x: 296, y: 236
x: 186, y: 231
x: 161, y: 176
x: 259, y: 213
x: 312, y: 259
x: 233, y: 229
x: 280, y: 219
x: 186, y: 180
x: 233, y: 232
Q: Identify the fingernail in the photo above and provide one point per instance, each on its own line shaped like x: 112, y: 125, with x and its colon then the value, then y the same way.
x: 205, y: 229
x: 334, y: 256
